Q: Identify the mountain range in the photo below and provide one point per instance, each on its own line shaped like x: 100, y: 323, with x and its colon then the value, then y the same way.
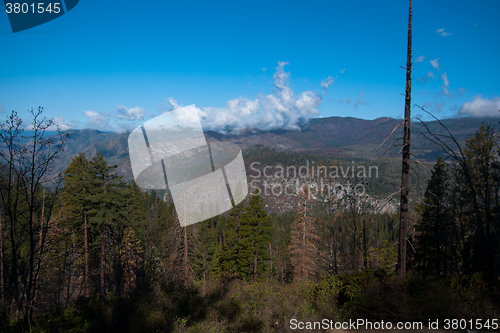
x: 332, y: 137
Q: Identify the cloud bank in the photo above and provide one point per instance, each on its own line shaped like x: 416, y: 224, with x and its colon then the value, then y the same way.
x: 481, y: 107
x: 98, y: 120
x: 136, y: 113
x: 281, y: 109
x: 58, y: 124
x: 62, y: 124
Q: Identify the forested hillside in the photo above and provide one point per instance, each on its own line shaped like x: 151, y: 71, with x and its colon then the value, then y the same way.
x: 89, y: 252
x: 326, y: 138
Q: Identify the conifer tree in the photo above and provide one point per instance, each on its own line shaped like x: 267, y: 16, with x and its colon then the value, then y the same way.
x: 255, y: 239
x: 77, y: 203
x: 435, y: 236
x: 208, y: 247
x: 107, y: 210
x: 479, y: 176
x: 229, y: 252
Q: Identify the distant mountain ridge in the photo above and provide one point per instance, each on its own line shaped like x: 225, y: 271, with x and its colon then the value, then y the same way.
x: 328, y: 137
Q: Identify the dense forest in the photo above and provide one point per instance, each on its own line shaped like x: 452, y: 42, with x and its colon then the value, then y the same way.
x: 88, y: 252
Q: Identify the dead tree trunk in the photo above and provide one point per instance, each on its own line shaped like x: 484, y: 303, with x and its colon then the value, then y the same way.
x: 405, y: 175
x: 86, y: 277
x: 2, y: 289
x: 255, y: 267
x: 186, y: 259
x: 365, y: 249
x: 103, y: 257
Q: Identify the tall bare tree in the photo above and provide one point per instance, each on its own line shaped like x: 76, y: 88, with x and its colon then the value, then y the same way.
x: 303, y: 246
x: 405, y: 174
x: 28, y: 161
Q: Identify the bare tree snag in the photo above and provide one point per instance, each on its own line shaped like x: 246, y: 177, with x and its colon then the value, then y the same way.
x: 405, y: 174
x: 186, y: 259
x: 2, y: 290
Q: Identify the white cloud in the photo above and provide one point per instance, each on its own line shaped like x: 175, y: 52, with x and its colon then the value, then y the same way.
x: 443, y: 33
x: 279, y: 109
x: 461, y: 91
x: 326, y: 83
x: 435, y: 63
x: 342, y: 71
x: 173, y: 104
x: 420, y: 58
x: 481, y: 107
x: 62, y: 124
x: 445, y: 86
x: 58, y: 123
x: 120, y: 130
x: 264, y: 69
x: 136, y: 113
x: 98, y: 120
x: 360, y: 100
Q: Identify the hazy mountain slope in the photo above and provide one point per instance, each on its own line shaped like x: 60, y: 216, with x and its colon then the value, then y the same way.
x: 329, y: 137
x: 112, y: 146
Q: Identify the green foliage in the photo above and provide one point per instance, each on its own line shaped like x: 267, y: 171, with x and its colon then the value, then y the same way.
x: 240, y: 263
x: 228, y: 258
x: 247, y: 240
x: 379, y: 295
x: 435, y: 239
x: 386, y: 255
x: 266, y: 306
x: 459, y: 228
x: 380, y: 173
x: 255, y: 239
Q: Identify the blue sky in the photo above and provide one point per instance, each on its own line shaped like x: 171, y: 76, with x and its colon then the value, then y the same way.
x: 112, y: 65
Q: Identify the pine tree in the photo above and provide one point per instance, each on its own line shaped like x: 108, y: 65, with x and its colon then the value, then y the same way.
x: 255, y: 239
x: 208, y: 247
x: 229, y: 252
x: 77, y: 203
x: 435, y: 237
x: 245, y: 240
x: 107, y: 212
x: 480, y: 178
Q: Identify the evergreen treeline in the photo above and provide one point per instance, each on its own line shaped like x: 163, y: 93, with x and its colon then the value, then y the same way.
x: 459, y: 228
